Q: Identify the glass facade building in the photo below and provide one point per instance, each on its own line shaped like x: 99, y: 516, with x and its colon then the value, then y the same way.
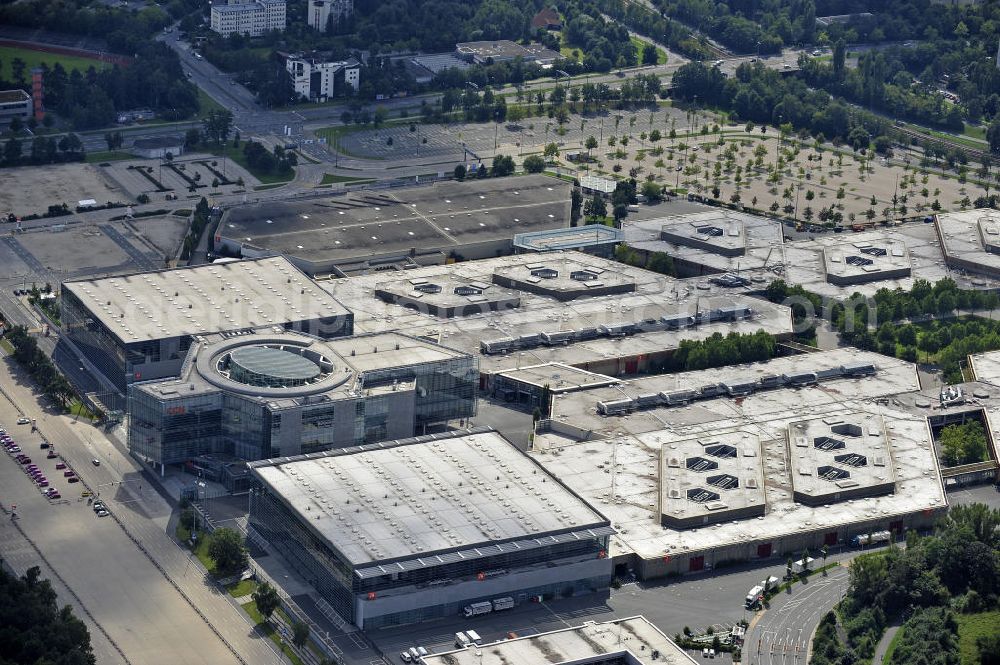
x: 269, y: 410
x: 140, y: 327
x: 434, y: 583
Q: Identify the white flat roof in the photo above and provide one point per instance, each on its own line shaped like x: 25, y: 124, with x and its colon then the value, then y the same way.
x: 655, y: 295
x: 204, y: 299
x: 635, y: 639
x: 634, y: 443
x: 419, y: 499
x: 802, y: 261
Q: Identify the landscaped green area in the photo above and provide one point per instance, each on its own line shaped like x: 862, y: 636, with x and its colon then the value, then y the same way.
x: 972, y: 627
x: 943, y: 586
x: 266, y: 628
x: 661, y: 55
x: 206, y: 104
x: 239, y: 156
x: 32, y: 59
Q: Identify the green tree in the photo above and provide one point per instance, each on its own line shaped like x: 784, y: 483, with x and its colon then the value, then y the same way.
x: 300, y: 634
x: 217, y: 125
x: 265, y: 597
x: 596, y: 207
x: 993, y: 135
x: 534, y: 164
x: 551, y: 151
x: 460, y: 172
x: 590, y: 144
x: 227, y: 551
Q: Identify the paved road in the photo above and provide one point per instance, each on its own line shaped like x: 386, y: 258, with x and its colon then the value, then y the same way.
x: 153, y: 604
x: 782, y: 634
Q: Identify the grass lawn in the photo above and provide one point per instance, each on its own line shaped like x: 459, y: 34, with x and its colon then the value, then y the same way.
x: 975, y: 132
x: 201, y: 551
x: 266, y: 628
x: 639, y: 44
x: 242, y: 588
x: 330, y: 179
x: 236, y: 154
x: 107, y: 156
x: 970, y: 628
x: 206, y: 104
x: 887, y: 658
x: 7, y: 346
x: 77, y: 408
x: 34, y: 59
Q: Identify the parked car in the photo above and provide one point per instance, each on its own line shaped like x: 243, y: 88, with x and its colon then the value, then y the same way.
x: 55, y: 495
x: 52, y: 455
x: 102, y: 513
x: 23, y: 421
x: 95, y: 462
x: 72, y: 479
x: 60, y: 466
x: 45, y: 444
x: 68, y: 473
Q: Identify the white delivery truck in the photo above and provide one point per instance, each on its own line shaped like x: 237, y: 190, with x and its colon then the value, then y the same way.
x: 754, y: 597
x: 462, y: 640
x: 802, y: 565
x: 475, y: 609
x: 473, y: 636
x: 504, y: 603
x: 871, y: 539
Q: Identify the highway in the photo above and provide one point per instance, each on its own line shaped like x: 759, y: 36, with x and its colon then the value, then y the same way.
x: 781, y: 635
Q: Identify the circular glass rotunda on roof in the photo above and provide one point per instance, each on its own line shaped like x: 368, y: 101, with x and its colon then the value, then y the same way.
x: 273, y: 366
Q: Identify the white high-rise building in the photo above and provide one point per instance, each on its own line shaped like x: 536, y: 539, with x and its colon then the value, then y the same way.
x: 318, y: 12
x: 252, y: 18
x: 319, y: 80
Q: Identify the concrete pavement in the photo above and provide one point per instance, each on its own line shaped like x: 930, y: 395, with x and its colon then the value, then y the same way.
x: 136, y: 583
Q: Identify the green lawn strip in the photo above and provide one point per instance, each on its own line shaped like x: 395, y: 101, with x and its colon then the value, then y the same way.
x: 34, y: 59
x: 640, y: 44
x: 107, y: 156
x: 201, y: 550
x: 266, y: 628
x: 7, y: 346
x: 242, y: 588
x: 206, y: 104
x: 887, y: 658
x: 78, y: 408
x: 970, y: 628
x: 236, y: 154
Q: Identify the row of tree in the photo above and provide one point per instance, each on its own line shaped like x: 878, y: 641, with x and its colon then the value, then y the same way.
x: 43, y: 150
x: 721, y: 351
x: 40, y: 366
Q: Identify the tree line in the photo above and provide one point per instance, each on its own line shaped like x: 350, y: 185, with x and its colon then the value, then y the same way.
x: 40, y: 366
x: 35, y: 629
x: 720, y: 350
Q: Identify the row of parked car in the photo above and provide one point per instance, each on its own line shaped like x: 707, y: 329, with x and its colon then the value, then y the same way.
x: 33, y: 470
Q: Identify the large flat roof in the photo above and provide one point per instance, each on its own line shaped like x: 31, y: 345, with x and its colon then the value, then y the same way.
x: 805, y: 260
x: 634, y: 639
x: 418, y: 499
x: 971, y: 238
x: 635, y: 441
x: 654, y: 296
x: 205, y: 299
x: 366, y: 224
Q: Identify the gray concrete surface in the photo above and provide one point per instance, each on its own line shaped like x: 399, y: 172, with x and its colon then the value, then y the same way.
x: 150, y: 601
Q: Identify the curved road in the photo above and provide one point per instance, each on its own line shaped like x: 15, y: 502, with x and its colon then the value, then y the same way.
x: 781, y: 635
